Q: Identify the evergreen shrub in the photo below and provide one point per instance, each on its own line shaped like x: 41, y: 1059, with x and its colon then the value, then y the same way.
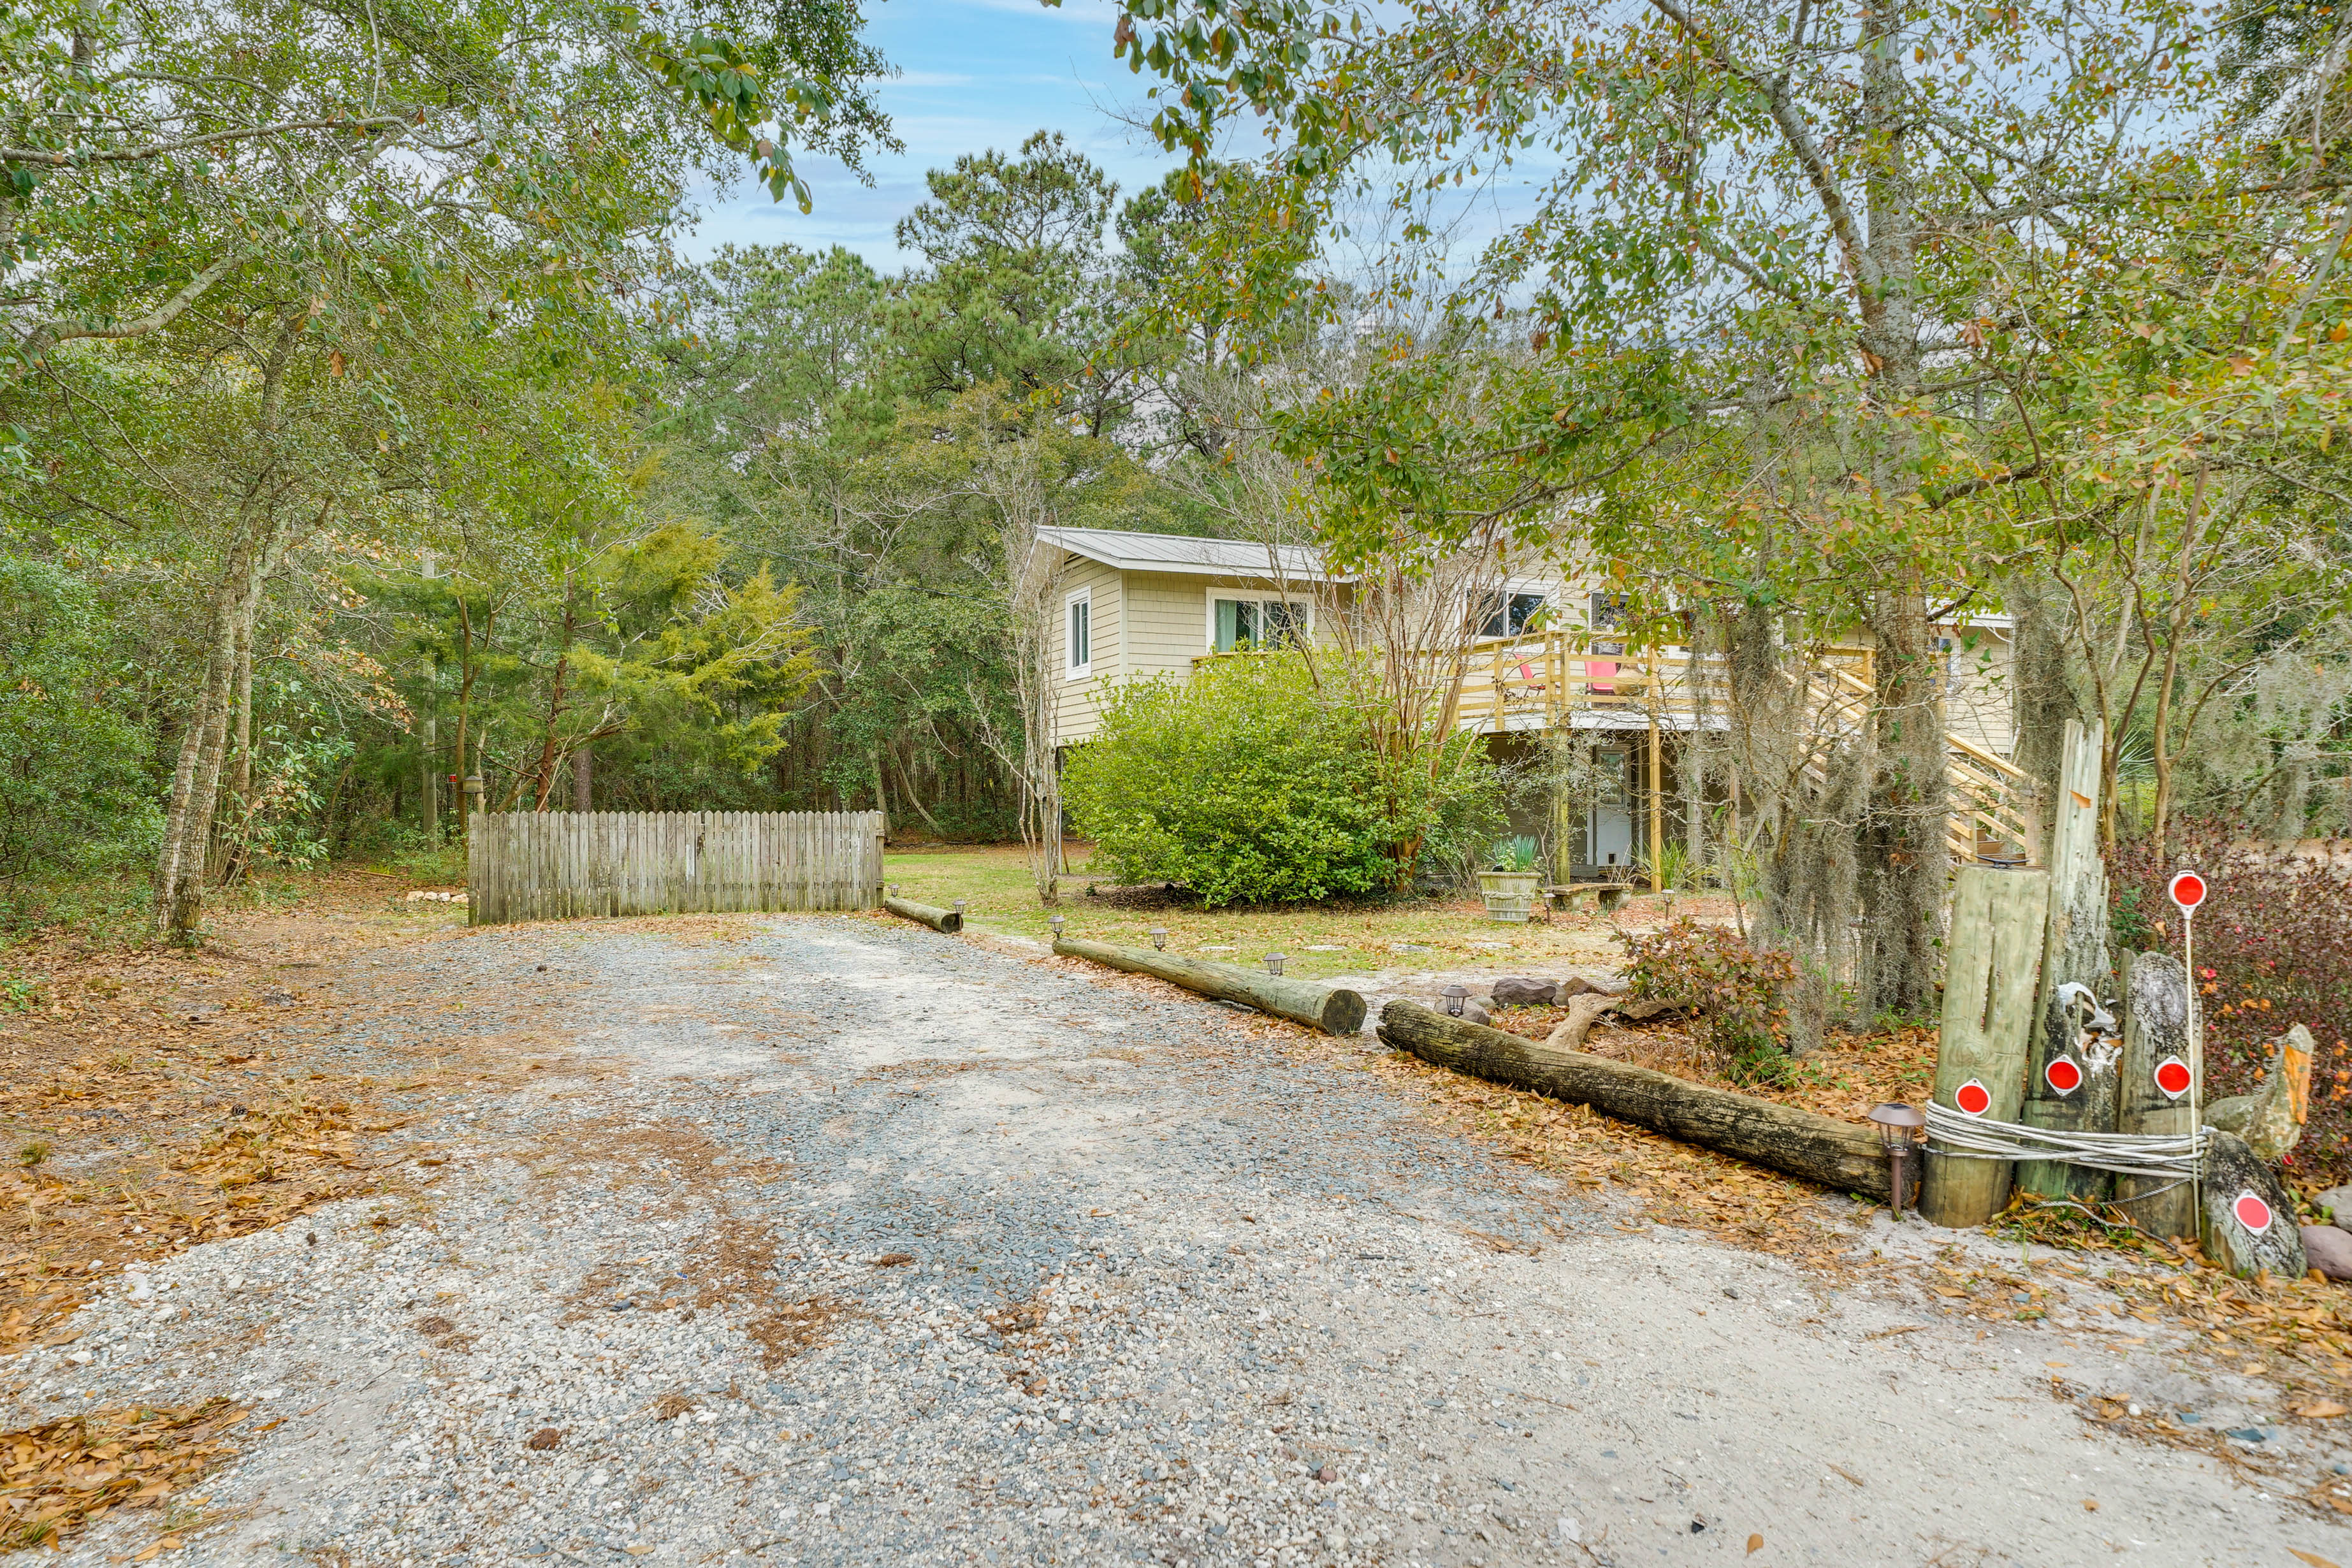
x: 1254, y: 782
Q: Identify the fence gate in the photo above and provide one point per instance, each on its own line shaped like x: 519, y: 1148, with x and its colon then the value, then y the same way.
x: 574, y: 865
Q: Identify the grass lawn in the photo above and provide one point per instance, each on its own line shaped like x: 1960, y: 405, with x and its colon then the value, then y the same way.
x: 1316, y: 939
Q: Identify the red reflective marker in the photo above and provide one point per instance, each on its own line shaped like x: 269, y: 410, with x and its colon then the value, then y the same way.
x: 2172, y: 1077
x: 1972, y: 1097
x: 2063, y: 1075
x: 2187, y: 890
x: 2251, y: 1212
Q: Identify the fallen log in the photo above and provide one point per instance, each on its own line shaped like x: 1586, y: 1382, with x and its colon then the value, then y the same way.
x: 1585, y: 1011
x: 1843, y: 1155
x: 1326, y: 1007
x: 947, y: 921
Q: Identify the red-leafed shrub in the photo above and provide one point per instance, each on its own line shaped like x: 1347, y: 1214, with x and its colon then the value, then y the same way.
x: 1734, y: 993
x: 2273, y: 950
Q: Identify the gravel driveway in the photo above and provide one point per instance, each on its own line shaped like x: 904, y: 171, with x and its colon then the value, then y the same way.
x: 830, y: 1241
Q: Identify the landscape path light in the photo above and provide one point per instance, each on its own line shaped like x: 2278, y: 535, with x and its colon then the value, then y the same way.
x: 1159, y: 937
x: 1056, y: 921
x: 959, y: 906
x: 1455, y: 995
x: 1898, y: 1124
x: 1274, y: 963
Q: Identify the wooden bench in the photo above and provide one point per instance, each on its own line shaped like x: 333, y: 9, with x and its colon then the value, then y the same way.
x: 1572, y: 897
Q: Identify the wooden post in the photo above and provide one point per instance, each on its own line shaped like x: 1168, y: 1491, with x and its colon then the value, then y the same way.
x: 2155, y: 1026
x: 1658, y: 787
x: 1992, y: 971
x: 2075, y: 950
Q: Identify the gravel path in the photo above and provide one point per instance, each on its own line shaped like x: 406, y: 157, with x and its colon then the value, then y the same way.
x: 841, y: 1243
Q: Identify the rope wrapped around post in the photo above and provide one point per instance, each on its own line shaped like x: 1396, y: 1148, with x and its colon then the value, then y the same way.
x: 1956, y: 1135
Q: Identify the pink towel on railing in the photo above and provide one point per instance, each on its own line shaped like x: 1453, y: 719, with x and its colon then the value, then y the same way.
x: 1602, y: 672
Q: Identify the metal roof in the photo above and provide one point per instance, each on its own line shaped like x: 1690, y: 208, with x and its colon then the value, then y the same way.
x: 1184, y: 553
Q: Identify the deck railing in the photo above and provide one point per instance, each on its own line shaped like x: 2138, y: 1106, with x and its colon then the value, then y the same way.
x: 1558, y: 681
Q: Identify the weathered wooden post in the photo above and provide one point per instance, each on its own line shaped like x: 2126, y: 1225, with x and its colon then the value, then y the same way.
x: 2071, y: 1086
x: 2156, y: 1076
x: 1991, y: 983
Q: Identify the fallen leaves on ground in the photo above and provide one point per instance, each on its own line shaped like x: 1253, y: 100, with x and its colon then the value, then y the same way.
x: 178, y: 1090
x: 59, y: 1476
x: 1675, y: 1183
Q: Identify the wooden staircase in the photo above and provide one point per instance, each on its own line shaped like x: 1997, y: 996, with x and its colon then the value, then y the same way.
x: 1993, y: 816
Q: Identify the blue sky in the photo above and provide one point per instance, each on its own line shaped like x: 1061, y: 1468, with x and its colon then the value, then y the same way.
x: 976, y: 74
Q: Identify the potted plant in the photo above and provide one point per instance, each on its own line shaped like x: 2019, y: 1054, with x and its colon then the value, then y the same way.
x: 1510, y: 888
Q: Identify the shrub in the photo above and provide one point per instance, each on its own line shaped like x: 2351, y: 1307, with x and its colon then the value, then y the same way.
x: 1736, y: 994
x: 1251, y: 783
x: 2273, y: 950
x: 76, y: 792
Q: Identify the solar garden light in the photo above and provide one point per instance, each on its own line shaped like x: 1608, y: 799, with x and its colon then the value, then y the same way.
x: 959, y: 906
x: 1159, y: 937
x: 1056, y: 921
x: 1897, y: 1124
x: 1455, y: 995
x: 894, y: 890
x: 1274, y: 963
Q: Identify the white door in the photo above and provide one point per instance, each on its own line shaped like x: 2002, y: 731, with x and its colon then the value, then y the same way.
x: 1609, y: 825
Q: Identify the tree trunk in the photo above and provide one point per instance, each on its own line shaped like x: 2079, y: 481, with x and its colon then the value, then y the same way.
x: 1907, y: 859
x: 582, y: 771
x: 458, y: 761
x: 550, y: 759
x: 1325, y: 1007
x: 231, y: 850
x: 187, y: 821
x: 1841, y: 1155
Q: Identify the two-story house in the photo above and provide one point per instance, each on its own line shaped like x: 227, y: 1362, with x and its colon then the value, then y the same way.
x: 1539, y: 660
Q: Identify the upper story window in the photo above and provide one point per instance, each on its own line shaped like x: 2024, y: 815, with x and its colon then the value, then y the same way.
x: 1079, y: 634
x: 1607, y: 613
x: 1238, y: 621
x: 1502, y: 615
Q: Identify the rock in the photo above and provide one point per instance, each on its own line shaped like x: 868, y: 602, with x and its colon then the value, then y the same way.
x: 2335, y: 1200
x: 2328, y: 1249
x: 2240, y: 1188
x: 1515, y: 991
x: 1474, y: 1014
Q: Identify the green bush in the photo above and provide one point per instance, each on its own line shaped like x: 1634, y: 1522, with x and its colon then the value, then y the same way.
x: 1734, y: 993
x: 1249, y: 783
x: 78, y: 794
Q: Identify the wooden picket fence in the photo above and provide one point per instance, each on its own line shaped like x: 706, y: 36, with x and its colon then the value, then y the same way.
x: 576, y: 865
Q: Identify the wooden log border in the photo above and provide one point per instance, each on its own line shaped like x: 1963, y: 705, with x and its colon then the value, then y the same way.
x: 1329, y: 1008
x: 939, y: 919
x: 1845, y: 1156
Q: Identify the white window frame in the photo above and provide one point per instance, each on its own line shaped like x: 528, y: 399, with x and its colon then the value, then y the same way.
x: 1254, y: 596
x: 1073, y: 670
